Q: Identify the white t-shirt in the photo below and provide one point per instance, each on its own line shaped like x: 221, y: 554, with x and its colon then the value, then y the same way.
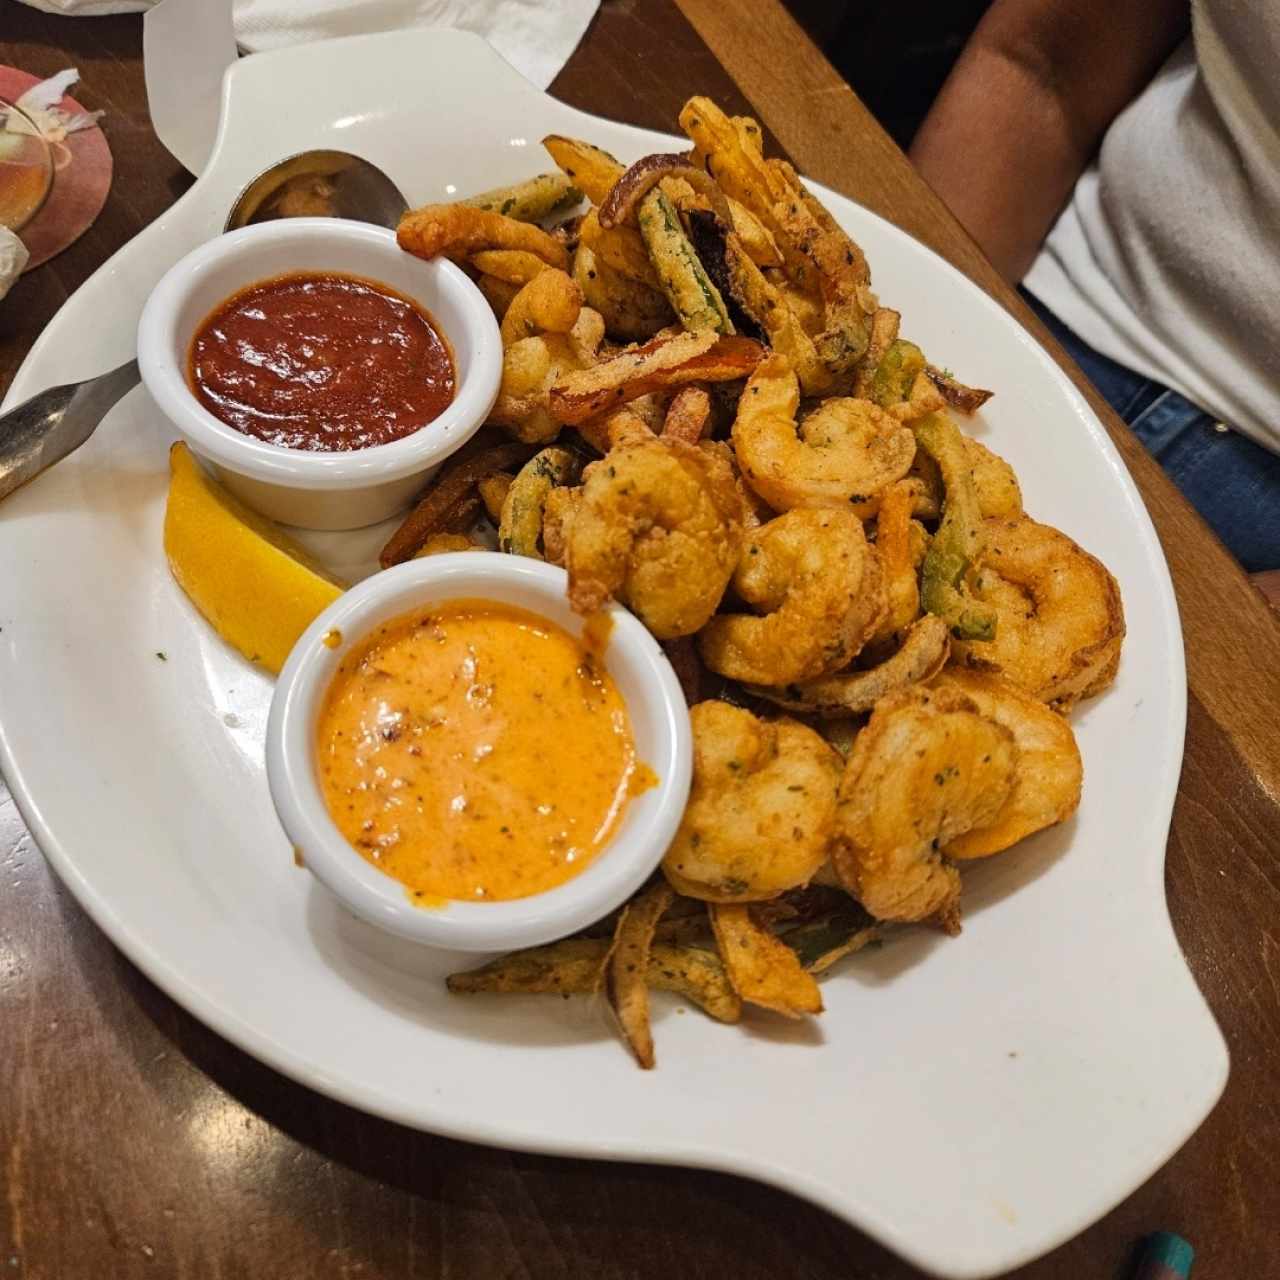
x: 1167, y: 258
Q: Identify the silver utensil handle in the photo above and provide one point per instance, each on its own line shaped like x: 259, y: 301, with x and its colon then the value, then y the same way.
x: 43, y: 430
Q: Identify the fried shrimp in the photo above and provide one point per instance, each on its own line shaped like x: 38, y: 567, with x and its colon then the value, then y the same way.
x: 1059, y: 619
x: 761, y: 808
x: 842, y: 454
x: 530, y: 365
x: 819, y: 588
x: 659, y: 527
x: 1048, y: 773
x: 927, y: 768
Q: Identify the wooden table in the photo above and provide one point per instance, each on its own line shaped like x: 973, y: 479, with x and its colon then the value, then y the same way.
x: 135, y: 1143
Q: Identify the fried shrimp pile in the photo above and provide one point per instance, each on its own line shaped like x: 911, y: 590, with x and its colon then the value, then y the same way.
x: 708, y: 416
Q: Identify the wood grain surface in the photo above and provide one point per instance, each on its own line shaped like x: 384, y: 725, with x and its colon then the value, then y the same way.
x: 136, y: 1143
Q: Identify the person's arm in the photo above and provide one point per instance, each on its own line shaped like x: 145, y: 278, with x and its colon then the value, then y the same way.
x: 1026, y: 106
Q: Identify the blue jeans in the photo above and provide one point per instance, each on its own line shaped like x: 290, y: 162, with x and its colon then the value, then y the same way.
x: 1232, y: 482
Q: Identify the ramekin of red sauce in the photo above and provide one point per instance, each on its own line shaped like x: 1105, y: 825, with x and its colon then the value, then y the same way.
x: 319, y: 370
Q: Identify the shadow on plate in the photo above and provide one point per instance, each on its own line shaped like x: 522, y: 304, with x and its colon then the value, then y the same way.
x: 989, y: 881
x: 408, y: 979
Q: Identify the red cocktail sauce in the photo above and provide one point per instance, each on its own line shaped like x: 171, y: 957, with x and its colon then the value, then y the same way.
x: 323, y: 362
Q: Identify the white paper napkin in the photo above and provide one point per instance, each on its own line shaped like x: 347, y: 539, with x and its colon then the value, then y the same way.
x: 535, y: 36
x: 13, y: 257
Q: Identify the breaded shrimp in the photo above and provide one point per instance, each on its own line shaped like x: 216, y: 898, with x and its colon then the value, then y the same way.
x: 761, y: 808
x: 927, y: 768
x: 1048, y: 773
x: 844, y: 454
x: 819, y: 588
x: 1059, y: 619
x: 659, y: 528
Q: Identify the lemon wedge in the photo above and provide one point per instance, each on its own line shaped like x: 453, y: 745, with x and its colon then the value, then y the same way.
x: 257, y: 587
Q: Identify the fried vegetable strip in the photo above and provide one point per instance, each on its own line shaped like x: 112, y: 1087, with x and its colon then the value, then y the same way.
x: 900, y: 555
x: 688, y: 415
x: 458, y: 230
x: 530, y: 201
x: 514, y: 266
x: 694, y: 298
x: 591, y: 169
x: 762, y: 969
x: 818, y: 944
x: 627, y: 968
x: 439, y: 544
x: 682, y: 653
x: 493, y: 490
x: 629, y: 193
x: 922, y: 656
x: 754, y: 235
x: 958, y: 541
x: 619, y: 248
x: 769, y: 307
x: 575, y: 966
x: 896, y: 373
x: 632, y: 311
x: 743, y: 176
x: 499, y: 294
x: 454, y: 484
x: 662, y: 362
x: 520, y: 528
x: 843, y: 277
x: 956, y: 394
x: 622, y: 426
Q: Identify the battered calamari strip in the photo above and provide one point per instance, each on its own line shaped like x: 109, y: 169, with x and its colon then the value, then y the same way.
x: 662, y: 362
x: 529, y: 201
x: 922, y: 656
x: 458, y: 230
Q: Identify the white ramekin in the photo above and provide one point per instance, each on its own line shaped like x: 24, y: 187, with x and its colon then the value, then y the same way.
x: 659, y: 721
x: 318, y: 490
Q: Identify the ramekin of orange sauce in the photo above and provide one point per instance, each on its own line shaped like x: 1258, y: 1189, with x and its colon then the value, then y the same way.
x: 454, y: 759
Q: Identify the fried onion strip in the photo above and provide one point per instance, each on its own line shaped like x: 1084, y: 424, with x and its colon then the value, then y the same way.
x: 662, y: 362
x: 455, y: 485
x: 458, y: 230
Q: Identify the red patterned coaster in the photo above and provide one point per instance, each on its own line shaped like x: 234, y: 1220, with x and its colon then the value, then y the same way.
x: 82, y: 178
